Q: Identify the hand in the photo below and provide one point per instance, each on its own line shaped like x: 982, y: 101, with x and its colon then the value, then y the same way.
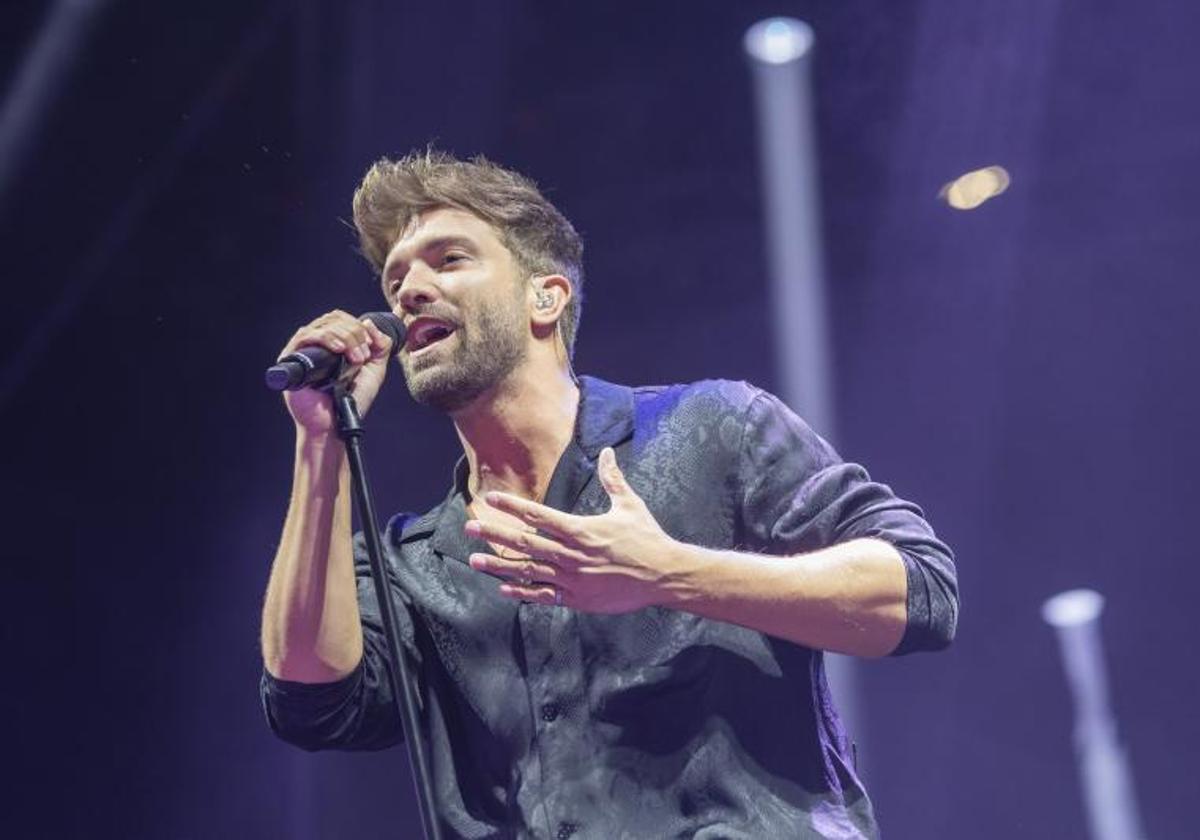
x: 365, y: 348
x: 614, y: 562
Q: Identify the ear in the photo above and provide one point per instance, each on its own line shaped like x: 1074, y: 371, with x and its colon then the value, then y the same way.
x: 548, y: 299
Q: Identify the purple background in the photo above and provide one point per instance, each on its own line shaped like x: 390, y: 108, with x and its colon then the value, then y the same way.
x: 1025, y: 371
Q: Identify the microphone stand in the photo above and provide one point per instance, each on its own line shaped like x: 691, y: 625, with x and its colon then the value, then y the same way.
x: 404, y: 688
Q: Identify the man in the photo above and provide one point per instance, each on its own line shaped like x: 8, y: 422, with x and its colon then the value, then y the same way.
x: 617, y: 614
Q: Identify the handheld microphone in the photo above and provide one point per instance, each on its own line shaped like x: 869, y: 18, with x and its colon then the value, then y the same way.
x: 313, y: 367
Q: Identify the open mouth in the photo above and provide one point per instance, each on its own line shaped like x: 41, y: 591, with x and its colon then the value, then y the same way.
x: 425, y: 332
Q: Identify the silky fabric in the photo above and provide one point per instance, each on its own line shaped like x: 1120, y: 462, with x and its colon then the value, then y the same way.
x: 548, y: 722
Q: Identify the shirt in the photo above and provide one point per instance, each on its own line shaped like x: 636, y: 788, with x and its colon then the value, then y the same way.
x: 548, y: 722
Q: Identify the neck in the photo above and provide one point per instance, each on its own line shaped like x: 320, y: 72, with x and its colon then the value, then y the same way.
x: 514, y: 435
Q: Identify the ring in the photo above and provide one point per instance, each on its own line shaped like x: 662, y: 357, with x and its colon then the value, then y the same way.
x: 557, y: 597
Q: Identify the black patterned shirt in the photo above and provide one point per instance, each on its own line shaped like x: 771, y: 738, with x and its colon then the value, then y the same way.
x: 548, y: 722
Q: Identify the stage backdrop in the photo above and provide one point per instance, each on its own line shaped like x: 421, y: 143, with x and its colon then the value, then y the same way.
x: 1025, y: 371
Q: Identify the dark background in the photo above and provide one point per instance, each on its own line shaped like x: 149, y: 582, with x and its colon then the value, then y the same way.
x: 1025, y: 371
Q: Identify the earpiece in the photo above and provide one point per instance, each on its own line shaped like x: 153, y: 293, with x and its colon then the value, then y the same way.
x: 545, y: 300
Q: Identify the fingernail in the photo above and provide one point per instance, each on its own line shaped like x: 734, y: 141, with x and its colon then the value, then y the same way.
x: 473, y: 527
x: 475, y: 561
x: 337, y: 344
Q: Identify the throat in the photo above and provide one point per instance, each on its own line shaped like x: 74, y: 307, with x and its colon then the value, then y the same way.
x: 519, y: 477
x: 515, y: 444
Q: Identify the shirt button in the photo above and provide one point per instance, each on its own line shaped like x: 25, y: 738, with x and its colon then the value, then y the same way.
x: 565, y: 830
x: 549, y: 713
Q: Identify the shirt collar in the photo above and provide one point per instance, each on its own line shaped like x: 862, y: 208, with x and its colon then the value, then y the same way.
x: 605, y: 415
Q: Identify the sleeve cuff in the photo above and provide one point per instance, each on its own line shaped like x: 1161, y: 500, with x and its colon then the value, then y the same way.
x: 316, y: 692
x: 309, y: 715
x: 932, y: 612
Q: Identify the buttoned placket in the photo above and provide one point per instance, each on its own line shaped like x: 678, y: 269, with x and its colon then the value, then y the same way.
x: 554, y: 662
x: 553, y: 659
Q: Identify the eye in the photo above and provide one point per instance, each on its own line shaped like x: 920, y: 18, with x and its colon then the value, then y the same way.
x: 453, y: 257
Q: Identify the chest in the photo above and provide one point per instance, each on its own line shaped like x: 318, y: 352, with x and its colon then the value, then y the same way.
x: 485, y: 647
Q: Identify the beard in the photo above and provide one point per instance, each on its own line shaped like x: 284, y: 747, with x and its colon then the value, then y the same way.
x: 490, y: 346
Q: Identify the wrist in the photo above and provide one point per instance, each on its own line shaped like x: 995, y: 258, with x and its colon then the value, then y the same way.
x: 321, y: 452
x: 683, y: 572
x: 318, y: 442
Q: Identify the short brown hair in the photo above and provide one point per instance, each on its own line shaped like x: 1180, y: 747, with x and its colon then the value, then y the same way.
x: 539, y: 237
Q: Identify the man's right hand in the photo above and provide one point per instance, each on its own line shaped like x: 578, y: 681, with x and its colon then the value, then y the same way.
x: 365, y: 348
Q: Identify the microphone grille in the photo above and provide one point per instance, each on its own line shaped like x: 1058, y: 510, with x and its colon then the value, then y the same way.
x: 389, y: 325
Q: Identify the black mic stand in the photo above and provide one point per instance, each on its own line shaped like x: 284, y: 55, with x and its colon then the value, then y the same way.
x: 404, y: 689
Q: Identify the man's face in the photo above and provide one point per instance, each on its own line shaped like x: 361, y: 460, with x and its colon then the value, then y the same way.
x: 461, y: 294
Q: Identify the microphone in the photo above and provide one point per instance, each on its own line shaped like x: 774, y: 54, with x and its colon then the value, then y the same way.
x: 313, y: 367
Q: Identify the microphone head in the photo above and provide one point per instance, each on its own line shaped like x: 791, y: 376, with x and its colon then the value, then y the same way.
x: 314, y: 366
x: 390, y: 325
x: 284, y: 375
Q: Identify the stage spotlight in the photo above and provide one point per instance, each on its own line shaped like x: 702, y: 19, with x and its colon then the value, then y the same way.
x: 968, y: 191
x: 778, y: 40
x: 780, y: 54
x: 37, y: 79
x: 1104, y: 772
x: 1072, y: 608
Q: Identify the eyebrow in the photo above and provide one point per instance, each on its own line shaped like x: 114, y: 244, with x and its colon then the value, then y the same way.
x: 436, y: 244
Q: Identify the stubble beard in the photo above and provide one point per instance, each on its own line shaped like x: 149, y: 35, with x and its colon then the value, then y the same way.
x: 490, y: 347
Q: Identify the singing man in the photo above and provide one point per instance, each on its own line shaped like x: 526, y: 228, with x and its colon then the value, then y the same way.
x: 617, y: 614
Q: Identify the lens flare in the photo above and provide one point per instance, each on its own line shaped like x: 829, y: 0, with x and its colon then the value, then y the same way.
x: 968, y: 191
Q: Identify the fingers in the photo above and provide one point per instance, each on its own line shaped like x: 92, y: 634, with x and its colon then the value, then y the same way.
x: 541, y: 517
x: 339, y: 332
x: 548, y: 595
x: 534, y: 594
x: 523, y: 571
x: 610, y: 474
x: 524, y: 579
x: 381, y: 344
x: 528, y: 543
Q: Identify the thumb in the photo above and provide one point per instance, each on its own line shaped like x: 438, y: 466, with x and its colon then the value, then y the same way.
x: 611, y: 476
x: 381, y: 344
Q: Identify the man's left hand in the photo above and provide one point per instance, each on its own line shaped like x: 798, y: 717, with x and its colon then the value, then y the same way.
x: 614, y: 562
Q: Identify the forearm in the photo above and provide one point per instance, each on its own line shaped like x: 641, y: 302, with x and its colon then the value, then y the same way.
x: 849, y: 598
x: 310, y: 629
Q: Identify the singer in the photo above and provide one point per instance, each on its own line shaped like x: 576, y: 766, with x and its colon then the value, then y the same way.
x: 617, y: 614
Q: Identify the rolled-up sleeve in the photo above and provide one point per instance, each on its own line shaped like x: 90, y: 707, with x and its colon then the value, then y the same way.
x: 799, y: 496
x: 354, y: 713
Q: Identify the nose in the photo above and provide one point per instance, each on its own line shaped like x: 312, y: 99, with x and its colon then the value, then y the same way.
x: 418, y: 289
